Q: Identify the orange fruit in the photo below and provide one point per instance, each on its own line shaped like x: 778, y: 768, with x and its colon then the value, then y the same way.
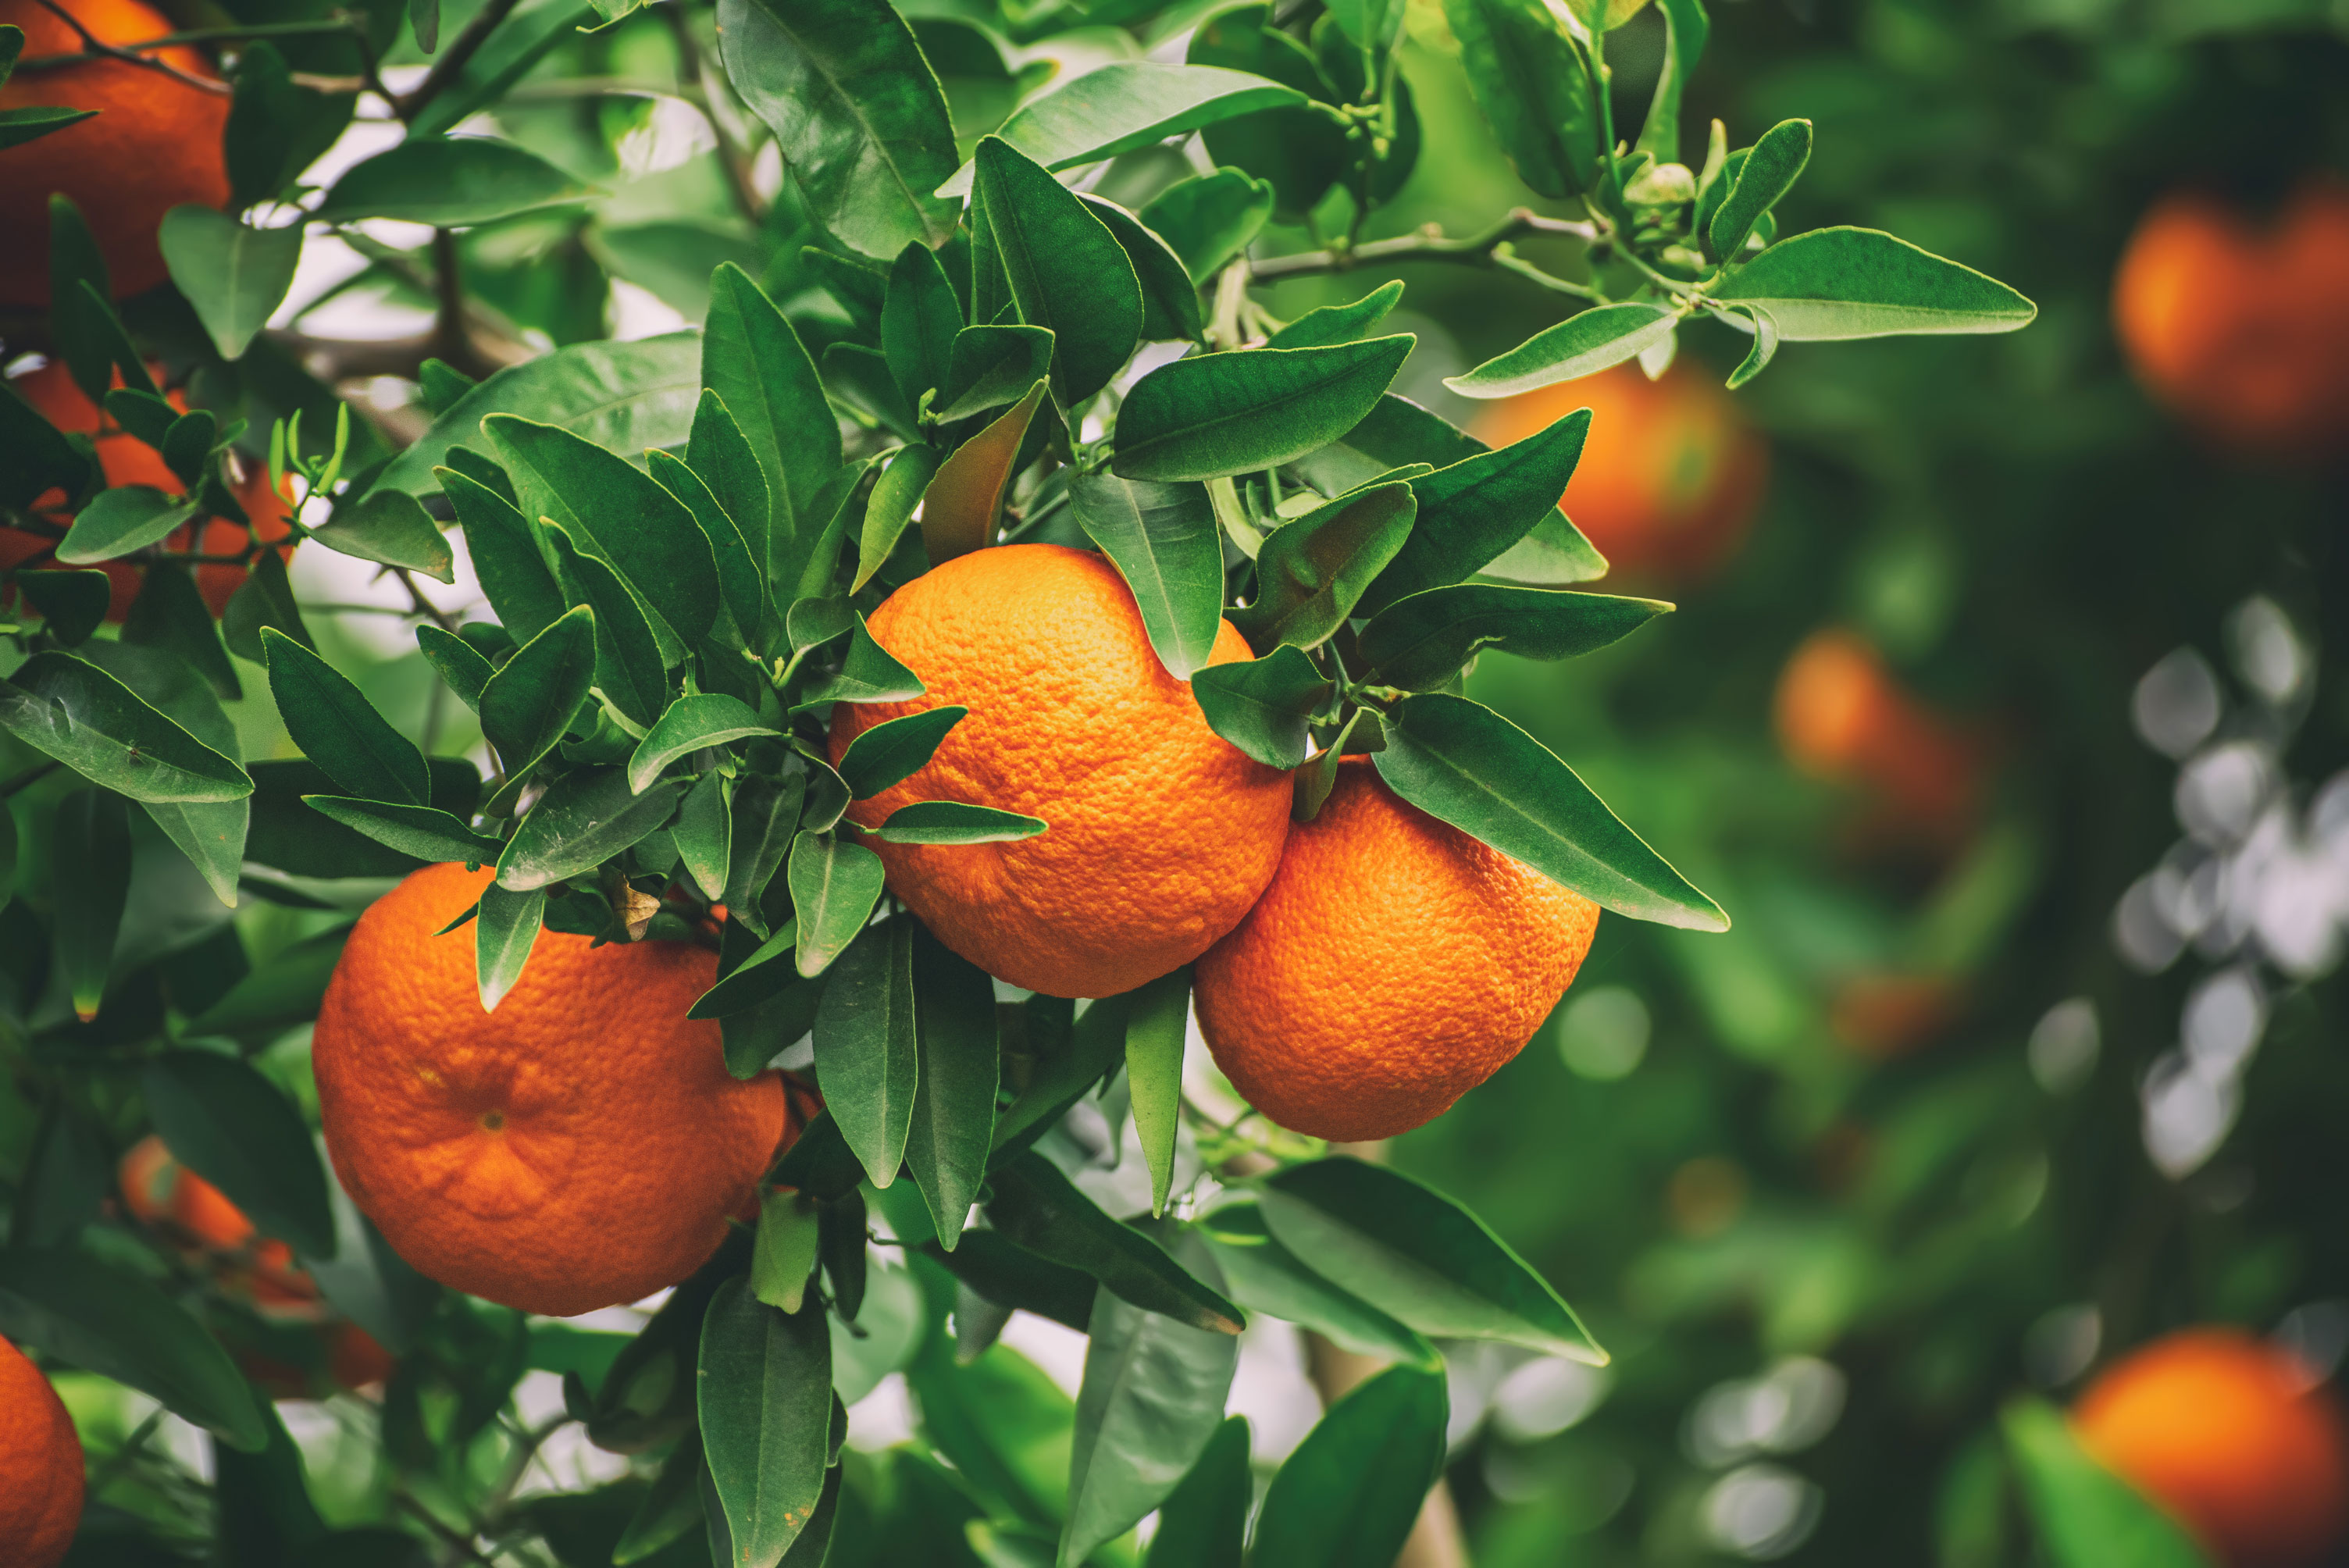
x: 40, y: 1466
x: 198, y: 1218
x: 1671, y: 476
x: 129, y: 461
x: 154, y: 143
x: 1394, y: 965
x: 2242, y: 329
x: 1842, y: 716
x: 1162, y: 833
x: 579, y: 1147
x: 2231, y: 1434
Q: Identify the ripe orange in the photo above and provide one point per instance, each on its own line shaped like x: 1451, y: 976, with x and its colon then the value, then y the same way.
x: 1392, y: 965
x: 154, y: 143
x: 579, y: 1147
x: 1842, y: 716
x: 1162, y: 833
x: 40, y: 1466
x: 2231, y: 1434
x: 197, y: 1217
x: 129, y: 461
x: 1671, y: 476
x: 2243, y: 330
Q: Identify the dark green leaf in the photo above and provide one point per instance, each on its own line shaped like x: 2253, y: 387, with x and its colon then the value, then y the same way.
x: 1531, y: 80
x: 631, y: 671
x: 339, y: 729
x: 503, y: 544
x: 858, y: 378
x: 1065, y: 271
x: 93, y: 839
x: 820, y: 1162
x: 1311, y: 571
x: 452, y: 181
x: 765, y: 1415
x: 460, y: 666
x: 172, y: 616
x: 1580, y: 345
x: 69, y: 709
x: 1769, y: 171
x: 1155, y: 1031
x: 277, y: 128
x: 235, y: 276
x: 238, y: 1131
x: 671, y: 1510
x: 1352, y: 1490
x: 920, y: 322
x: 1165, y: 543
x: 990, y: 366
x: 418, y: 831
x: 867, y: 1055
x: 722, y: 457
x: 965, y: 499
x: 1204, y: 1521
x: 1338, y: 322
x: 955, y: 822
x: 19, y: 126
x: 1261, y: 706
x: 1476, y: 510
x: 1265, y: 1276
x: 1010, y: 1276
x: 1465, y: 764
x: 1129, y: 104
x: 530, y: 700
x: 212, y: 834
x: 1421, y: 641
x: 765, y: 819
x: 742, y: 576
x: 391, y: 527
x: 284, y: 990
x: 503, y: 933
x: 34, y: 455
x: 73, y: 602
x: 584, y: 820
x: 690, y: 724
x: 1685, y: 29
x: 890, y: 508
x: 1210, y: 218
x: 754, y: 361
x: 2088, y: 1516
x: 265, y: 601
x: 703, y: 831
x: 1170, y: 300
x: 1037, y: 1207
x: 1858, y: 282
x: 1300, y: 151
x: 783, y: 1256
x: 953, y: 1121
x: 120, y: 520
x: 834, y: 886
x: 1220, y: 414
x: 895, y: 750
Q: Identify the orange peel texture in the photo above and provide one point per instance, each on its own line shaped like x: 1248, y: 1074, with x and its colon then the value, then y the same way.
x: 40, y: 1466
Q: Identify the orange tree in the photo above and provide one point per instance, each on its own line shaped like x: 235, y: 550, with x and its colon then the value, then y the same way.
x: 894, y: 687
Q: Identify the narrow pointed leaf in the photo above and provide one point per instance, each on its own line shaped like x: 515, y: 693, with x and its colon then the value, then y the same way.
x: 339, y: 729
x: 1583, y: 345
x: 952, y: 1120
x: 1352, y: 1490
x: 763, y: 1404
x: 690, y: 723
x: 920, y: 316
x: 1170, y: 299
x: 1338, y: 322
x: 992, y: 365
x: 1421, y: 641
x: 965, y: 499
x: 895, y: 750
x: 531, y: 700
x: 1768, y: 172
x: 1263, y: 1275
x: 890, y: 508
x: 584, y: 820
x: 515, y: 576
x: 120, y: 520
x: 753, y: 359
x: 419, y: 830
x: 504, y: 932
x: 1155, y: 1032
x: 68, y: 708
x: 1532, y: 80
x: 741, y: 575
x: 1832, y: 284
x: 1215, y: 415
x: 834, y: 886
x: 1311, y: 573
x: 1036, y: 1206
x: 703, y: 831
x: 93, y: 838
x: 2087, y: 1515
x: 461, y: 666
x: 1129, y: 104
x: 1473, y: 511
x: 867, y: 1056
x: 955, y: 822
x: 1163, y: 541
x: 631, y: 670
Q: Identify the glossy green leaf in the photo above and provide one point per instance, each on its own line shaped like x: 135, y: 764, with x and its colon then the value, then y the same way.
x: 630, y: 669
x: 1418, y: 1256
x: 450, y: 182
x: 1220, y: 414
x: 1847, y: 283
x: 1150, y: 1403
x: 2086, y: 1515
x: 68, y: 708
x: 1766, y: 346
x: 859, y: 118
x: 234, y: 276
x: 93, y: 838
x: 505, y: 931
x: 890, y: 509
x: 1312, y: 572
x: 1163, y: 541
x: 1261, y: 706
x: 722, y: 457
x: 1465, y: 764
x: 391, y: 527
x: 1065, y: 270
x: 212, y: 834
x: 765, y: 819
x: 1352, y: 1490
x: 236, y: 1130
x: 1420, y: 642
x: 19, y: 126
x: 460, y: 666
x: 1263, y: 1275
x: 1204, y: 1521
x: 531, y: 700
x: 1583, y: 345
x: 920, y: 318
x: 1128, y: 104
x: 992, y: 365
x: 783, y: 1256
x: 895, y: 750
x: 764, y: 1409
x: 116, y: 1324
x: 337, y: 728
x: 74, y: 603
x: 418, y: 831
x: 1531, y: 80
x: 858, y: 378
x: 955, y: 822
x: 953, y: 1124
x: 1338, y: 322
x: 1474, y: 512
x: 1170, y: 300
x: 515, y: 577
x: 834, y: 885
x: 1155, y: 1027
x: 171, y: 616
x: 703, y: 831
x: 820, y: 1162
x: 867, y: 1052
x: 965, y: 499
x: 753, y: 359
x: 121, y: 520
x: 1769, y: 171
x: 585, y: 819
x: 1209, y: 219
x: 690, y: 723
x: 1036, y: 1206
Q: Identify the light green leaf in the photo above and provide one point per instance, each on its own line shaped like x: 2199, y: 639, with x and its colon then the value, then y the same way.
x: 121, y: 520
x: 392, y: 528
x: 1531, y: 80
x: 1832, y: 284
x: 1338, y: 322
x: 1580, y: 345
x: 450, y: 181
x: 1769, y: 171
x: 234, y: 276
x: 2088, y: 1516
x: 1686, y: 27
x: 1164, y: 541
x: 1125, y: 105
x: 955, y: 822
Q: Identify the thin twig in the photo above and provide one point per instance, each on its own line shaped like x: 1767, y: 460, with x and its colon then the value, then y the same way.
x: 425, y: 607
x: 195, y: 35
x: 92, y: 43
x: 449, y: 1536
x: 1428, y: 244
x: 32, y: 775
x: 731, y: 154
x: 371, y: 69
x: 454, y: 59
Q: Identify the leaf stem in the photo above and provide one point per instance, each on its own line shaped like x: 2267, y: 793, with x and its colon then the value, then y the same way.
x: 1429, y: 243
x: 93, y: 44
x: 32, y: 775
x: 454, y: 59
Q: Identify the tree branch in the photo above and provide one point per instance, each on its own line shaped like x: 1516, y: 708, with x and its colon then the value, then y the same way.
x: 93, y: 44
x: 454, y: 59
x: 1430, y: 245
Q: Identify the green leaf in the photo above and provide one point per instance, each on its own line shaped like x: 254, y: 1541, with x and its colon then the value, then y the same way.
x: 391, y: 527
x: 1583, y: 345
x: 1220, y: 414
x: 212, y: 834
x: 1128, y: 104
x: 265, y: 601
x: 276, y: 127
x: 965, y: 499
x: 424, y: 23
x: 1352, y: 1490
x: 452, y: 181
x: 890, y: 508
x: 531, y: 700
x: 93, y: 839
x: 1835, y: 284
x: 754, y: 361
x: 1165, y: 543
x: 238, y: 1131
x: 1204, y: 1521
x: 1421, y: 641
x: 2086, y: 1515
x: 784, y: 1254
x: 1012, y: 1277
x: 1155, y: 1031
x: 1769, y: 171
x: 503, y: 933
x: 1419, y: 1257
x: 74, y: 603
x: 631, y: 671
x: 1311, y: 571
x: 1302, y: 151
x: 1766, y: 346
x: 765, y: 819
x: 1338, y: 322
x: 1261, y: 706
x: 235, y: 276
x: 19, y: 126
x: 1209, y: 219
x: 990, y: 366
x: 721, y: 457
x: 117, y: 1326
x: 858, y: 378
x: 955, y: 822
x: 418, y: 831
x: 171, y: 616
x: 1065, y: 270
x: 703, y: 831
x: 860, y: 120
x: 1036, y: 1206
x: 1265, y: 1276
x: 1150, y: 1403
x: 690, y: 724
x: 585, y: 819
x: 895, y: 750
x: 953, y: 1124
x: 671, y: 1508
x: 920, y: 318
x: 339, y: 729
x: 461, y: 666
x: 820, y: 1162
x: 764, y: 1407
x: 1531, y: 80
x: 35, y: 454
x: 867, y: 1052
x: 284, y: 990
x: 1170, y: 300
x: 622, y: 396
x: 834, y: 886
x: 120, y: 520
x: 1466, y: 765
x: 515, y: 577
x: 1476, y: 510
x: 68, y: 708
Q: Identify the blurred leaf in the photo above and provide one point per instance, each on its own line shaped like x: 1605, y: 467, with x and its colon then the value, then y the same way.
x: 1301, y: 153
x: 990, y: 366
x: 1419, y: 1257
x: 1581, y: 344
x: 283, y: 992
x: 233, y: 275
x: 265, y: 600
x: 834, y: 886
x: 1466, y: 765
x: 1165, y: 543
x: 631, y: 668
x: 1473, y: 511
x: 1265, y: 1276
x: 120, y: 520
x: 890, y: 508
x: 1338, y: 322
x: 450, y: 182
x: 2086, y: 1515
x: 585, y: 819
x: 784, y: 1255
x: 1004, y: 1426
x: 1858, y: 282
x: 1208, y: 219
x: 505, y: 931
x: 690, y: 724
x: 1421, y: 641
x: 237, y: 1131
x: 418, y: 831
x: 1155, y: 1031
x: 19, y: 126
x: 531, y: 700
x: 1128, y: 104
x: 858, y: 377
x: 867, y: 1057
x: 895, y: 750
x: 1170, y: 300
x: 69, y: 709
x: 460, y: 668
x: 1203, y: 1523
x: 35, y: 454
x: 759, y: 979
x: 393, y: 528
x: 277, y: 128
x: 1220, y: 414
x: 1766, y: 346
x: 765, y: 1411
x: 955, y: 822
x: 1769, y: 171
x: 965, y: 499
x: 72, y: 602
x: 1352, y: 1489
x: 505, y: 552
x: 337, y: 728
x: 117, y: 1326
x: 671, y: 1509
x: 754, y: 361
x: 1036, y: 1206
x: 93, y: 853
x: 1261, y: 706
x: 1313, y: 571
x: 1531, y: 80
x: 1064, y: 269
x: 954, y: 1098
